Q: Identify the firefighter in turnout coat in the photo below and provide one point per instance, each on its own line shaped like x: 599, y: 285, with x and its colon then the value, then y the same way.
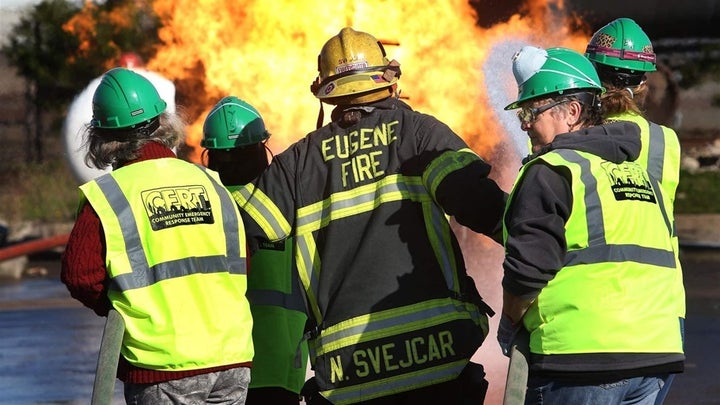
x: 367, y: 198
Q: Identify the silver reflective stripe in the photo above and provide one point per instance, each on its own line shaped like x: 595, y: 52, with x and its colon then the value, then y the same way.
x: 594, y: 217
x: 390, y: 386
x: 429, y: 316
x: 142, y: 275
x: 440, y: 238
x: 661, y: 203
x: 620, y: 253
x: 258, y: 204
x: 292, y: 301
x: 598, y: 250
x: 339, y: 206
x: 305, y: 250
x: 656, y: 151
x: 236, y: 263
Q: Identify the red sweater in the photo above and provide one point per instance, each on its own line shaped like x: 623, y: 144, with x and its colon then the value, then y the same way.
x: 83, y: 272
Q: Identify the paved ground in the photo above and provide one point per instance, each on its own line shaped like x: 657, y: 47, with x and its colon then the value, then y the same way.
x: 48, y: 344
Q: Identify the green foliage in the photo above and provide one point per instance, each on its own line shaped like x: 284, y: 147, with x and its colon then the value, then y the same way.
x: 45, y: 192
x: 703, y: 67
x: 109, y: 29
x: 698, y: 193
x: 39, y: 48
x: 60, y: 47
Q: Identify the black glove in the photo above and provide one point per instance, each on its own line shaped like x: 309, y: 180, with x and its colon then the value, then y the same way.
x: 507, y: 331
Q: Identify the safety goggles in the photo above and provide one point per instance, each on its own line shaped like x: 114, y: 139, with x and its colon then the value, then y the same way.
x: 528, y: 115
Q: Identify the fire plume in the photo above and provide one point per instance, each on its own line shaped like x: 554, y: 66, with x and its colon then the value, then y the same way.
x: 266, y: 54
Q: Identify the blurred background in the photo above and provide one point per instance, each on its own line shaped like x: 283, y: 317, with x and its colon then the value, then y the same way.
x: 456, y: 64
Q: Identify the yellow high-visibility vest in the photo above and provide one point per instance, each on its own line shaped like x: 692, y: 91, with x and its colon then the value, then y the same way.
x: 176, y: 260
x: 615, y: 293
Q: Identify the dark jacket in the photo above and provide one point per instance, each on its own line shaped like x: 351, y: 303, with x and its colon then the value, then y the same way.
x: 536, y: 248
x: 366, y: 201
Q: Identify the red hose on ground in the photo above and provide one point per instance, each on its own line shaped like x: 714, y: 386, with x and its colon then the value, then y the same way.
x: 32, y: 246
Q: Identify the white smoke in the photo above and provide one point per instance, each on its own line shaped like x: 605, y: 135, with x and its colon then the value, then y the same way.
x: 79, y: 116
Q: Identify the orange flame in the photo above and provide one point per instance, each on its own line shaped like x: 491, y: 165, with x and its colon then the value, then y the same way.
x: 266, y: 53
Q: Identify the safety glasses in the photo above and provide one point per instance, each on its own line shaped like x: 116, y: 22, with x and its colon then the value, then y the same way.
x: 528, y: 115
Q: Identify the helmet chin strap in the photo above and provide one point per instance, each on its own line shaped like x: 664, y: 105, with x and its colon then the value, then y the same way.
x: 321, y: 116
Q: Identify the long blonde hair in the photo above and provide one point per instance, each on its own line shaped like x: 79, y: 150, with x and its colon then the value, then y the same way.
x: 617, y: 100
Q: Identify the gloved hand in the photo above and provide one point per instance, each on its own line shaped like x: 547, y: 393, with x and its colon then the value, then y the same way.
x: 507, y: 331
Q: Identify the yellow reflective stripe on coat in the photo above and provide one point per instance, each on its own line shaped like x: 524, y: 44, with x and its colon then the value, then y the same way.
x: 360, y: 200
x: 261, y: 208
x: 387, y: 352
x: 308, y: 265
x: 365, y: 199
x: 445, y: 164
x: 396, y: 384
x: 393, y: 322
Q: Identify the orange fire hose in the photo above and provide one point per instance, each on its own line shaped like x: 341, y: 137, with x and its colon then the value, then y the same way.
x: 32, y: 246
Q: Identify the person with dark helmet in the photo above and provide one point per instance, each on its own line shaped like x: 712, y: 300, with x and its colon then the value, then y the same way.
x: 234, y: 137
x: 160, y: 241
x: 395, y: 318
x: 623, y: 56
x: 590, y: 270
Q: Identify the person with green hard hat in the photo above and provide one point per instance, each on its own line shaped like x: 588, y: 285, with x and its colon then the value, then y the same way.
x: 159, y: 241
x: 589, y: 268
x: 234, y: 137
x: 623, y: 56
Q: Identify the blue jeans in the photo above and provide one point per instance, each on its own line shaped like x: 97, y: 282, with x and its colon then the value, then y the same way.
x: 635, y: 391
x: 227, y: 387
x: 668, y: 381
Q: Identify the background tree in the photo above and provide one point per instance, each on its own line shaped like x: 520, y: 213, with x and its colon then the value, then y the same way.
x: 58, y: 47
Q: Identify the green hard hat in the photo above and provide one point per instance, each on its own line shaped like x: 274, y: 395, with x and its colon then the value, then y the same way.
x: 622, y: 44
x: 540, y: 72
x: 233, y: 123
x: 124, y: 99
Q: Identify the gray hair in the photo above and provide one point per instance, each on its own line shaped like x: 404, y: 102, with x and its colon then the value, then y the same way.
x: 109, y: 147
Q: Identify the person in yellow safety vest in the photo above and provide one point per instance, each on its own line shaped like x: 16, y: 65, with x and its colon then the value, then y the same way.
x: 234, y: 137
x: 623, y: 57
x: 161, y: 241
x: 589, y: 269
x: 367, y: 198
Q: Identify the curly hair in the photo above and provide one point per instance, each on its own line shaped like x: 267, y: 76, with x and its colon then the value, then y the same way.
x: 617, y: 100
x: 113, y: 147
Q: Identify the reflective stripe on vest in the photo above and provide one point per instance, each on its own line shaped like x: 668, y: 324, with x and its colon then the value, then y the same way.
x: 143, y: 274
x: 617, y: 289
x: 656, y: 152
x: 277, y: 284
x: 660, y: 151
x: 171, y: 240
x: 598, y: 250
